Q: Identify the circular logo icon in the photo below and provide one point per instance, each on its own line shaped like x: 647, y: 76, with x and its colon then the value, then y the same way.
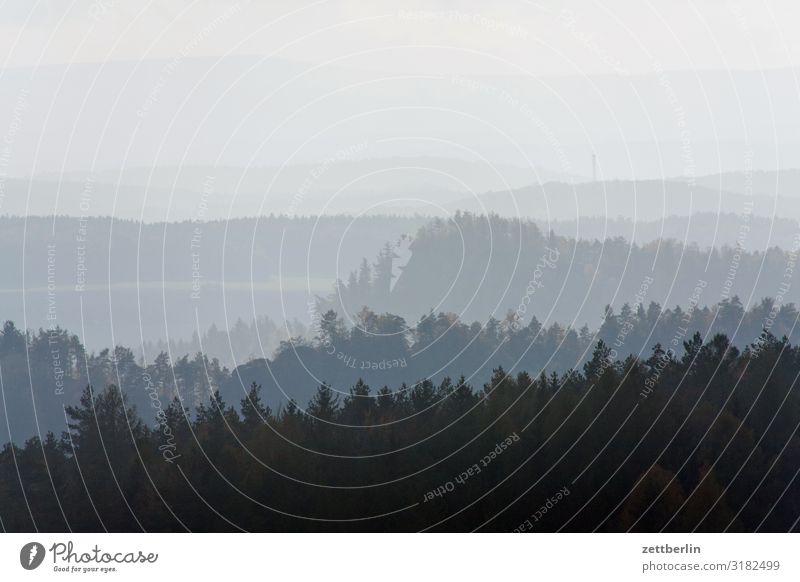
x: 31, y: 555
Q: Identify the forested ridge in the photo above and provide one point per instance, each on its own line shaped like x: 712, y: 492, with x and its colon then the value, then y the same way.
x: 704, y: 438
x: 51, y: 367
x: 477, y: 265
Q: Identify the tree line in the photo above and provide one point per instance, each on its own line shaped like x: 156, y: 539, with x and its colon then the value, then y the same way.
x: 476, y: 265
x: 44, y: 371
x: 705, y: 440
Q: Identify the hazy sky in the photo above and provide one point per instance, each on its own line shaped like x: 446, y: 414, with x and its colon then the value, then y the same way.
x: 544, y: 37
x: 409, y: 78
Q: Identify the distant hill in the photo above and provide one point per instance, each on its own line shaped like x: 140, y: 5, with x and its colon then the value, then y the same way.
x: 704, y: 229
x: 174, y: 116
x: 137, y: 280
x: 476, y: 266
x: 351, y: 181
x: 782, y: 183
x: 646, y: 200
x: 138, y: 277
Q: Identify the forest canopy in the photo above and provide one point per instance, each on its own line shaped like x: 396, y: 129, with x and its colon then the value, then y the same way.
x: 701, y: 438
